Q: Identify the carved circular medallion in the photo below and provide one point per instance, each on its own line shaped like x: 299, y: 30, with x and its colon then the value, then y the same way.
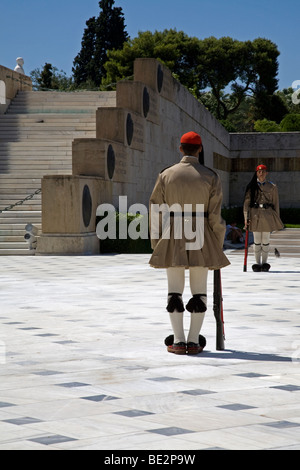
x: 86, y: 206
x: 111, y: 161
x: 129, y: 128
x: 146, y: 102
x: 160, y: 78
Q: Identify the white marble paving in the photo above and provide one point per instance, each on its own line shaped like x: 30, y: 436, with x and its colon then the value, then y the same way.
x: 83, y: 363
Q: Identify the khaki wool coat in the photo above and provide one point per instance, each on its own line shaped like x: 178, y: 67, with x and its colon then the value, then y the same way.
x: 264, y: 219
x: 189, y: 182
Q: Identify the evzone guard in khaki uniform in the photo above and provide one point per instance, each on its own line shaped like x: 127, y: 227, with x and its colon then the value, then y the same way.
x: 261, y: 213
x: 181, y: 189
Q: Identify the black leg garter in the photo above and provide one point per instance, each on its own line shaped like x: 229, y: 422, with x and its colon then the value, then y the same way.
x: 196, y: 304
x: 175, y: 303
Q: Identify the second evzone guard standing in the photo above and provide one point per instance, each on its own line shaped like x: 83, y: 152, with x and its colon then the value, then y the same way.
x: 261, y: 214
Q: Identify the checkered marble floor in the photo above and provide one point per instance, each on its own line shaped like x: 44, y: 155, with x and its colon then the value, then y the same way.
x: 83, y: 363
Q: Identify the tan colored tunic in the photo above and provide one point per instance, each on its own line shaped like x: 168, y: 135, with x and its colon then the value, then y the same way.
x: 264, y: 219
x: 189, y: 182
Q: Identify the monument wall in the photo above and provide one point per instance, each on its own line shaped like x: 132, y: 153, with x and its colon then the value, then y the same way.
x: 136, y: 140
x: 280, y: 151
x: 143, y: 133
x: 10, y: 83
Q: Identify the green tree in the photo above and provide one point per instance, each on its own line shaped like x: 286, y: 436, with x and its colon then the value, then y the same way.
x: 263, y: 125
x: 230, y: 69
x: 101, y: 34
x: 290, y: 123
x: 286, y: 95
x: 50, y: 78
x: 175, y: 49
x: 246, y: 68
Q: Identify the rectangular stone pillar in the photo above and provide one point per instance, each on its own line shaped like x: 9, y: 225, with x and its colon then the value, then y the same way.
x: 101, y: 158
x: 121, y: 125
x: 69, y: 205
x: 139, y: 98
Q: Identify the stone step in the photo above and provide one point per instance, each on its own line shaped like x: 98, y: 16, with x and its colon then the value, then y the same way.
x: 10, y: 217
x: 36, y: 128
x: 41, y: 137
x: 11, y: 250
x: 19, y: 151
x: 30, y: 184
x: 45, y: 118
x: 48, y: 110
x: 25, y: 207
x: 36, y: 144
x: 36, y: 136
x: 37, y: 125
x: 15, y: 165
x: 12, y: 237
x: 44, y: 107
x: 61, y: 100
x: 39, y: 173
x: 24, y: 220
x: 286, y: 241
x: 32, y: 202
x: 58, y: 159
x: 11, y: 198
x: 69, y: 96
x: 12, y: 230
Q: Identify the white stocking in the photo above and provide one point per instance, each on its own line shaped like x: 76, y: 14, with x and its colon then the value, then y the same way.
x: 176, y: 280
x: 261, y: 246
x: 198, y: 285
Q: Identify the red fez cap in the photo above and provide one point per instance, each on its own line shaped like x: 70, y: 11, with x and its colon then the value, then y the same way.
x: 261, y: 167
x: 191, y: 138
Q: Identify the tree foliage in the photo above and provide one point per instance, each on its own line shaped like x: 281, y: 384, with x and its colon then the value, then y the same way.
x: 104, y: 33
x: 264, y: 125
x: 290, y: 123
x: 231, y: 69
x: 50, y: 78
x: 175, y: 49
x: 235, y: 80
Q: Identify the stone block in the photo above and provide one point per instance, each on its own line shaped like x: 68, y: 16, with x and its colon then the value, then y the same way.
x: 121, y: 125
x: 69, y: 204
x: 68, y: 244
x: 156, y: 76
x: 104, y: 159
x: 139, y: 98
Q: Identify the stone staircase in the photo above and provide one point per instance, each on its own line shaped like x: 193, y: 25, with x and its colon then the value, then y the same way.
x: 36, y: 135
x: 286, y: 241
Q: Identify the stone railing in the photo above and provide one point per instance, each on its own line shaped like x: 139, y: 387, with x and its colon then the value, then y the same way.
x: 12, y: 81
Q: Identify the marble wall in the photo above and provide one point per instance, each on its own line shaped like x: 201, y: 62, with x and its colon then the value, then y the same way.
x: 141, y: 136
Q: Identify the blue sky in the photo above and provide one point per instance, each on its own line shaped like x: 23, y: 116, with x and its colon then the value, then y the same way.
x: 51, y: 30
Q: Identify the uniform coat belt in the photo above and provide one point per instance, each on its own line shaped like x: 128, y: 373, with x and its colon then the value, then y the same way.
x: 263, y: 206
x: 189, y: 214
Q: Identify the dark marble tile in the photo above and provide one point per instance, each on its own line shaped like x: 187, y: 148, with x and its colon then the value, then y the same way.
x: 236, y: 407
x: 170, y: 431
x: 52, y: 439
x: 22, y: 421
x: 133, y: 413
x: 98, y: 398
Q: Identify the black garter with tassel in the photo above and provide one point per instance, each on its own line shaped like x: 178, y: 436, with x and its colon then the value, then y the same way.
x: 175, y: 303
x: 196, y: 304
